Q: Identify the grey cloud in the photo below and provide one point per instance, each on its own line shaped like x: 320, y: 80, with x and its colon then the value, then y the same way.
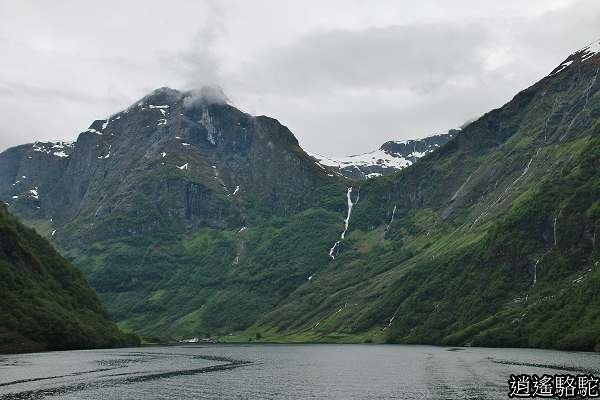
x: 344, y: 76
x: 419, y: 57
x: 210, y: 94
x: 15, y: 89
x: 197, y: 65
x: 349, y: 91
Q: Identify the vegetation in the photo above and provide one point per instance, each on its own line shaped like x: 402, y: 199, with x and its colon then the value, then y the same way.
x: 45, y: 303
x: 492, y: 240
x: 465, y: 262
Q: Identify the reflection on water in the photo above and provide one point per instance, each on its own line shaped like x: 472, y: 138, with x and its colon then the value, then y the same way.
x: 280, y: 372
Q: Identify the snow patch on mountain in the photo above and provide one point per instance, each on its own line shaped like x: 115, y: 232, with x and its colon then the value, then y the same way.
x: 590, y: 50
x: 579, y: 56
x: 391, y: 157
x: 33, y: 193
x: 57, y: 149
x: 377, y: 157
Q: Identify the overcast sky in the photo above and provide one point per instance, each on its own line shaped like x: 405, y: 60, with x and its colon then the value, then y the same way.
x: 344, y: 76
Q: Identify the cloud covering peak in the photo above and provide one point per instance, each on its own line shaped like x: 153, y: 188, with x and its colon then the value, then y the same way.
x: 206, y: 95
x: 342, y: 75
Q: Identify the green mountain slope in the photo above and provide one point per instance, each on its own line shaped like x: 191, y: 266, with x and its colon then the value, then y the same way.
x: 203, y: 220
x: 45, y: 303
x: 510, y: 282
x: 179, y: 209
x: 490, y: 241
x: 209, y: 281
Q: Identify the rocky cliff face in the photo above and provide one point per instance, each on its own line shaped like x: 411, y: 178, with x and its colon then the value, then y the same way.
x: 175, y: 189
x: 180, y: 158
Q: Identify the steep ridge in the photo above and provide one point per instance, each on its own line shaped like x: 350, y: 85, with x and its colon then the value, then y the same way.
x: 178, y: 153
x: 492, y: 240
x: 45, y: 303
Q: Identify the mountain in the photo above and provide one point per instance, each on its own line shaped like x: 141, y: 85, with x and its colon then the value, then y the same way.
x: 188, y: 162
x: 180, y: 203
x: 491, y: 240
x: 45, y: 303
x: 390, y: 158
x: 192, y: 218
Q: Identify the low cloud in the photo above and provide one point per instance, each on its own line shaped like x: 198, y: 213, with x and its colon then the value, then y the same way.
x: 206, y: 95
x: 417, y: 57
x: 343, y: 76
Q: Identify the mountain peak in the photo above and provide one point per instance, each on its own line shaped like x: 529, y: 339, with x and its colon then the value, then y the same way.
x: 590, y: 50
x: 584, y: 54
x: 206, y: 95
x: 163, y: 95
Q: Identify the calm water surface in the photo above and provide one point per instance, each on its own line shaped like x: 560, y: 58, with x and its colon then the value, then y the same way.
x: 280, y: 372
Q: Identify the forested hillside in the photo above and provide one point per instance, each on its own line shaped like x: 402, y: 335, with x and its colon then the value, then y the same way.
x: 45, y: 303
x: 192, y: 218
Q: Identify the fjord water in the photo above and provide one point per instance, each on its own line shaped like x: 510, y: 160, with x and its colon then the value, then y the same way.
x: 280, y: 372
